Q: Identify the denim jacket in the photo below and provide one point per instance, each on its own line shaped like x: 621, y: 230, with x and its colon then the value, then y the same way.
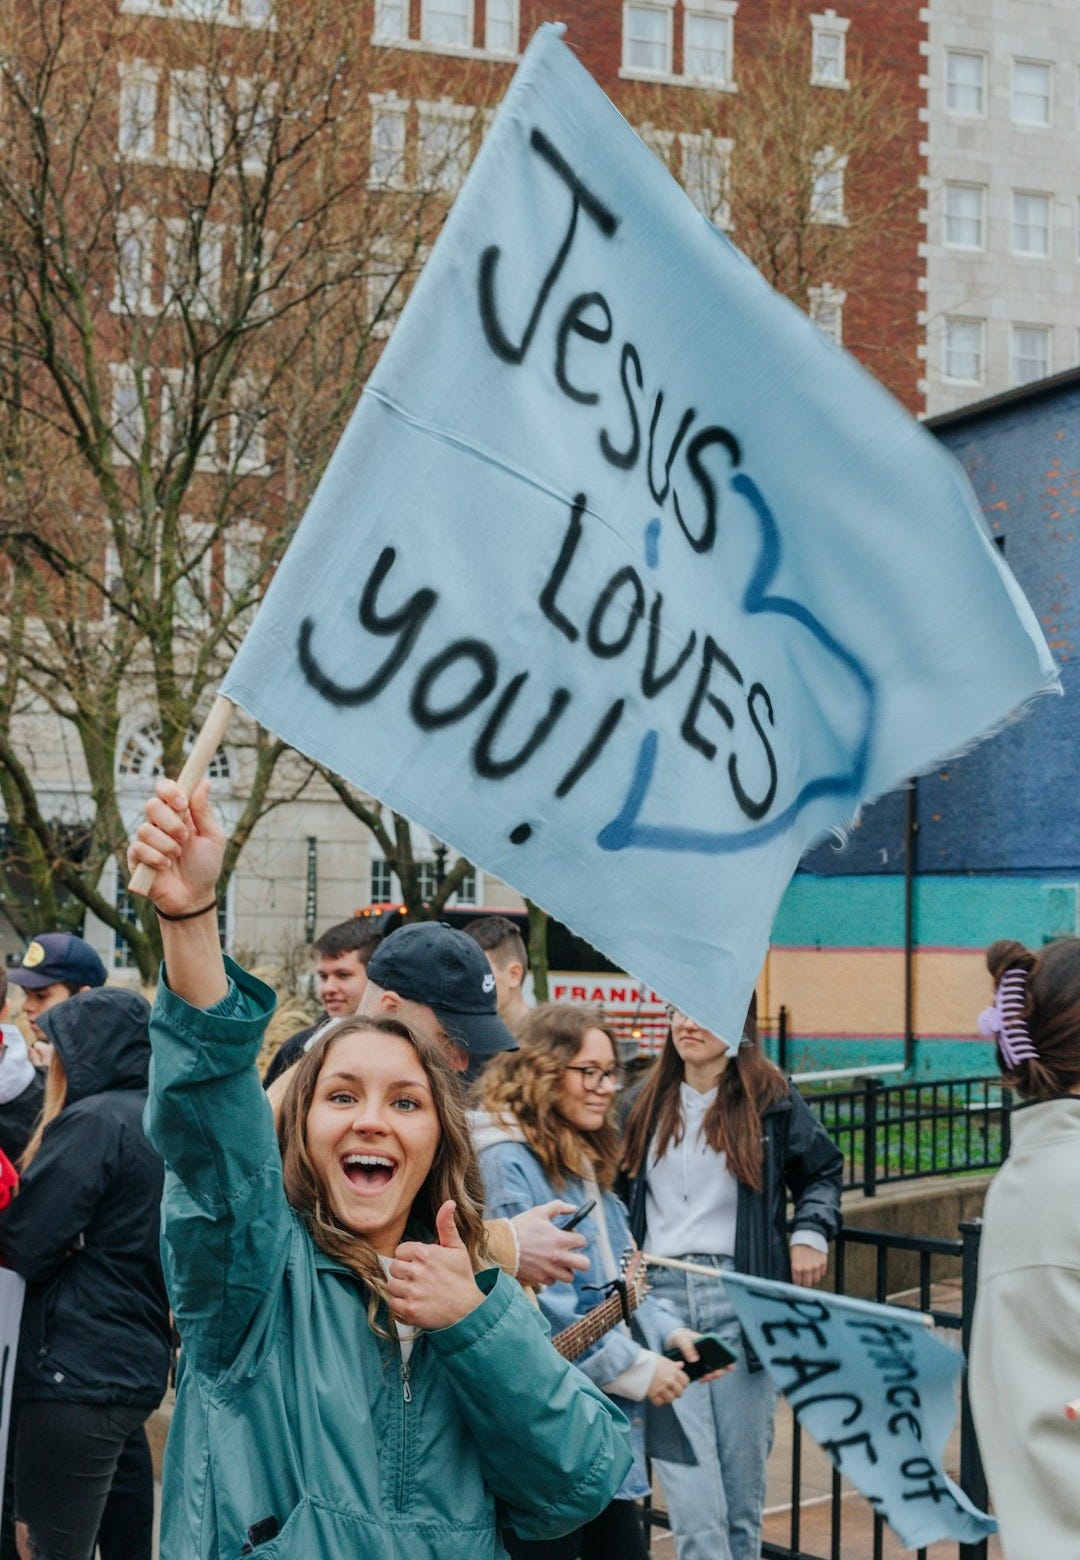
x: 514, y: 1181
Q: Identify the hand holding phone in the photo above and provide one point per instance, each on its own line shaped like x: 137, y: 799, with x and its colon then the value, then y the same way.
x: 713, y: 1354
x: 570, y: 1221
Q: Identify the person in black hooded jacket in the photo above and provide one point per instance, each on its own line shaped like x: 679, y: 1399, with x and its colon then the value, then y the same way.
x: 83, y: 1232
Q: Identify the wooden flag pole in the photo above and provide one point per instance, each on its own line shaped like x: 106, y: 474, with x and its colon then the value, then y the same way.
x: 195, y: 766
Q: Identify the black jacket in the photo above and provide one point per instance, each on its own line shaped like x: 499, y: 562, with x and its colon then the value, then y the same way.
x: 291, y: 1050
x: 84, y: 1228
x: 798, y: 1157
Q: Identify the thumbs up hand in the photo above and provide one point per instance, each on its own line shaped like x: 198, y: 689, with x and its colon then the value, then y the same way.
x: 434, y: 1286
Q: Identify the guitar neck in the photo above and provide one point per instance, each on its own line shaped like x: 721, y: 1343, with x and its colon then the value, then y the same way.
x: 572, y: 1342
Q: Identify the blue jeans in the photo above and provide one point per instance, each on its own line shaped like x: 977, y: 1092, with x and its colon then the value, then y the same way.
x: 715, y: 1508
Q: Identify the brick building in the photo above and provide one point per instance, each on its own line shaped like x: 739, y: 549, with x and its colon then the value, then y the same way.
x: 249, y: 193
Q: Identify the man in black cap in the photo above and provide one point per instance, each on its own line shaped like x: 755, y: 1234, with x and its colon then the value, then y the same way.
x: 438, y: 981
x: 54, y: 967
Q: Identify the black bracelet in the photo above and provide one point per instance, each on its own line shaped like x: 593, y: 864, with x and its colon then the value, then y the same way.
x: 188, y: 915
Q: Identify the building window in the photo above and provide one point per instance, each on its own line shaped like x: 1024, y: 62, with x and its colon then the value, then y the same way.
x: 386, y: 890
x: 1030, y: 92
x: 965, y: 83
x: 963, y: 357
x: 447, y: 22
x: 964, y: 215
x: 444, y: 147
x: 382, y: 882
x: 501, y: 26
x: 171, y: 423
x: 134, y: 263
x: 705, y: 165
x: 827, y: 196
x: 193, y: 267
x: 256, y: 105
x: 128, y: 420
x: 242, y: 572
x: 660, y: 142
x: 389, y: 123
x: 707, y: 34
x: 1031, y: 224
x: 647, y: 39
x: 123, y: 958
x: 225, y: 13
x: 383, y: 285
x: 247, y: 430
x: 391, y: 21
x: 827, y: 311
x: 828, y: 59
x: 1030, y: 353
x: 196, y: 120
x: 138, y: 111
x: 192, y: 573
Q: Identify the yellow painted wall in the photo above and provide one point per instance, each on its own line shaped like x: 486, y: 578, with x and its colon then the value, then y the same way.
x: 860, y: 991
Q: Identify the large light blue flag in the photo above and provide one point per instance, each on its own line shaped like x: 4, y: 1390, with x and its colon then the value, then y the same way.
x: 623, y: 580
x: 877, y: 1390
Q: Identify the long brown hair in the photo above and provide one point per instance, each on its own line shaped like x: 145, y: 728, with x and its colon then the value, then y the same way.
x: 747, y: 1086
x: 53, y: 1102
x: 523, y: 1084
x: 454, y: 1171
x: 1052, y: 1011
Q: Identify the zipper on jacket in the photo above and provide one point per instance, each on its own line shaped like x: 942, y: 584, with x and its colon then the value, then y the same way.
x: 403, y: 1464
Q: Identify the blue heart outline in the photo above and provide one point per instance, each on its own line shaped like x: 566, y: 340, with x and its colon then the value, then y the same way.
x: 625, y: 831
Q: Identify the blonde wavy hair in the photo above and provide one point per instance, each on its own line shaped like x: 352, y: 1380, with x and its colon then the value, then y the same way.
x: 523, y: 1084
x: 454, y: 1172
x: 53, y: 1102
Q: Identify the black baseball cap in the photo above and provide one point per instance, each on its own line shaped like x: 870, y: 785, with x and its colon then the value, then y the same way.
x: 53, y: 957
x: 430, y: 962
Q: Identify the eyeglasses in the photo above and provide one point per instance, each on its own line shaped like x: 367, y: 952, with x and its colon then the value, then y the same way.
x: 673, y: 1012
x: 596, y: 1078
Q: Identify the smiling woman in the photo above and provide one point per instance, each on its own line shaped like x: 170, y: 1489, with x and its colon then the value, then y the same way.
x: 356, y: 1380
x: 373, y: 1136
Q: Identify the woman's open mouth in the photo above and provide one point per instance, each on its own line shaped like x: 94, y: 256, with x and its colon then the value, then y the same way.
x: 368, y: 1173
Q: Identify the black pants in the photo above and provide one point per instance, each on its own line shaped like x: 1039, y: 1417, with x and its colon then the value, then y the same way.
x: 127, y: 1523
x: 66, y: 1456
x: 616, y: 1534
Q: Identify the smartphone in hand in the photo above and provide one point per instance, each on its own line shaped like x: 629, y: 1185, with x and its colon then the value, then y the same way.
x: 570, y: 1221
x: 713, y: 1354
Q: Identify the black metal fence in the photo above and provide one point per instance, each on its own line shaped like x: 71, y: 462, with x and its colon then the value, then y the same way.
x: 899, y: 1132
x: 937, y: 1266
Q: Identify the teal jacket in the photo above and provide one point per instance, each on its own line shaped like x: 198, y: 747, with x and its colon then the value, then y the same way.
x: 292, y: 1417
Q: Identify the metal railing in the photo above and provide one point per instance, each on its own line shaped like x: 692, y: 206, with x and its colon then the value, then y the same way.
x: 901, y: 1132
x: 936, y: 1260
x: 964, y: 1253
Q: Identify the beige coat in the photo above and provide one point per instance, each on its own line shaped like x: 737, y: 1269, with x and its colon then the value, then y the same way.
x: 1025, y: 1351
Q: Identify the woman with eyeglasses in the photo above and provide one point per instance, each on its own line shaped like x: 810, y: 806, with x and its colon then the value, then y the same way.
x: 716, y: 1140
x: 546, y: 1129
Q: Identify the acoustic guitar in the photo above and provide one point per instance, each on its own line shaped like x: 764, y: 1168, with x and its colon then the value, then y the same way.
x: 629, y: 1289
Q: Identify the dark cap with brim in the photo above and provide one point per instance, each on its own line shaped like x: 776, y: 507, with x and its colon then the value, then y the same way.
x: 58, y: 958
x: 431, y: 963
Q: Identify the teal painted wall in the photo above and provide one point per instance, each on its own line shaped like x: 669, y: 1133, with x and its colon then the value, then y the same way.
x: 950, y: 912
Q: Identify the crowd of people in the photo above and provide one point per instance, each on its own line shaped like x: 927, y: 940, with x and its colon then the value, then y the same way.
x: 388, y: 1263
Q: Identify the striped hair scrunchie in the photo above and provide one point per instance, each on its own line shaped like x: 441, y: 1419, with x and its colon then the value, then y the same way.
x: 1005, y: 1019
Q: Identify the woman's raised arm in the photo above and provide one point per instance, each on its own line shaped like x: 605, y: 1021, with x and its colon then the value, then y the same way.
x: 184, y: 844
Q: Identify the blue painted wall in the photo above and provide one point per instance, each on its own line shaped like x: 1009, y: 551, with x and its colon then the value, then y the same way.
x: 998, y: 846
